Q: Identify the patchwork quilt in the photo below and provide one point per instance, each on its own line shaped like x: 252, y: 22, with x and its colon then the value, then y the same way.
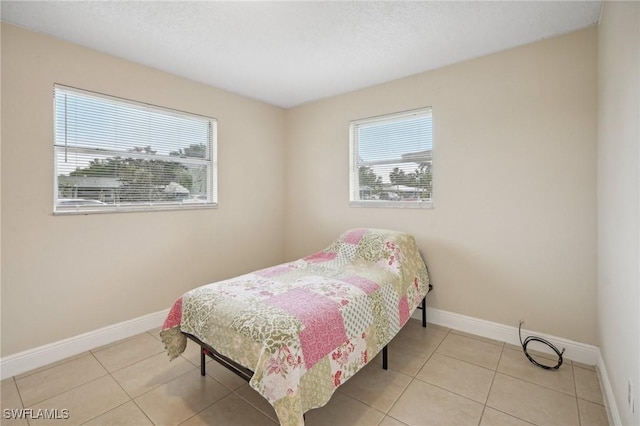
x: 306, y: 326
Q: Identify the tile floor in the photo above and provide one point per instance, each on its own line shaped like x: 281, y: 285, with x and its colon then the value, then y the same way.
x: 436, y: 376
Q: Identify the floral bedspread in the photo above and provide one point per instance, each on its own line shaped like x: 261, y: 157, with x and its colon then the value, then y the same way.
x: 307, y: 326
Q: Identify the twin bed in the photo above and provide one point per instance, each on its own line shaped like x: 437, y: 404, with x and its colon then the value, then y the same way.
x: 299, y: 330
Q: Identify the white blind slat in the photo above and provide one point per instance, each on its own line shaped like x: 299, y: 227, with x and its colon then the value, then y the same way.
x: 392, y: 159
x: 112, y: 152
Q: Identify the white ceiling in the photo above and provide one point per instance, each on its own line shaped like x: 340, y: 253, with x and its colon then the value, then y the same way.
x: 289, y: 53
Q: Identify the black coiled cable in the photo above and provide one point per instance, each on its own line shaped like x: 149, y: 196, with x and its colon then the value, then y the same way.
x: 541, y: 340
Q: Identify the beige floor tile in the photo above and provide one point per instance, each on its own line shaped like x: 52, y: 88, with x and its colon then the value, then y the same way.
x: 514, y: 363
x: 224, y: 375
x: 514, y: 347
x: 460, y: 377
x: 129, y: 352
x: 55, y: 380
x: 409, y: 350
x: 452, y: 370
x: 423, y: 403
x: 84, y: 402
x: 128, y: 414
x: 592, y: 414
x: 390, y: 421
x: 10, y: 400
x: 585, y: 366
x: 587, y: 385
x: 53, y: 364
x: 250, y: 395
x: 117, y: 342
x: 181, y: 398
x: 150, y: 373
x: 531, y: 402
x: 376, y: 387
x: 403, y: 359
x: 492, y: 417
x: 471, y: 350
x: 547, y: 358
x: 473, y: 336
x: 231, y: 410
x: 420, y: 337
x: 9, y: 396
x: 13, y: 418
x: 155, y: 333
x: 343, y: 410
x: 192, y: 354
x: 431, y: 326
x: 416, y: 325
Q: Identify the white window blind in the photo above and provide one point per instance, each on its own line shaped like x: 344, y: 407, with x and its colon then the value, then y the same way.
x: 392, y: 160
x: 113, y: 155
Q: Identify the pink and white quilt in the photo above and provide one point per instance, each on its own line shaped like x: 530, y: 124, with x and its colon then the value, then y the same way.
x: 305, y: 327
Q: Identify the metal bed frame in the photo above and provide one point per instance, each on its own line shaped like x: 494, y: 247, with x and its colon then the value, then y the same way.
x: 246, y: 374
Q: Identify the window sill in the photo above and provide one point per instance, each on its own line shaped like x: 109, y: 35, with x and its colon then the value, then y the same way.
x: 132, y: 209
x: 392, y: 204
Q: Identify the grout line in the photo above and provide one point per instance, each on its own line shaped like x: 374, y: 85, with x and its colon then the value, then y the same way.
x: 108, y: 411
x: 450, y: 391
x: 391, y: 417
x: 478, y: 338
x: 100, y: 362
x: 468, y: 362
x: 121, y: 387
x: 250, y: 403
x: 536, y: 384
x: 205, y: 408
x: 526, y: 381
x: 495, y: 372
x: 144, y: 413
x: 208, y: 406
x: 45, y: 367
x: 592, y: 402
x: 575, y: 389
x: 15, y: 383
x: 137, y: 361
x: 511, y: 415
x: 413, y: 378
x: 363, y: 370
x: 575, y: 394
x: 66, y: 390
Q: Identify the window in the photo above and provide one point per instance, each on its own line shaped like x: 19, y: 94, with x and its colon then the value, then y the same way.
x: 116, y: 155
x: 392, y: 160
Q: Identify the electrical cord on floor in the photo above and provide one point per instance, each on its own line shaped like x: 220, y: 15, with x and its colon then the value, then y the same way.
x: 541, y: 340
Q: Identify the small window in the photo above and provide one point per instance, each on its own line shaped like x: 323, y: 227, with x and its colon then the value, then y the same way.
x: 392, y: 160
x: 114, y: 155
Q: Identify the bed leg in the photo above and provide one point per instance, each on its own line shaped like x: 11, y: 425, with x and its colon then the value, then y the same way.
x: 424, y: 312
x: 203, y: 369
x: 384, y: 359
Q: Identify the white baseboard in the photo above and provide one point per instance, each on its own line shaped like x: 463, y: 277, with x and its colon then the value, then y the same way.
x: 33, y: 358
x: 576, y: 351
x: 607, y: 392
x: 37, y: 357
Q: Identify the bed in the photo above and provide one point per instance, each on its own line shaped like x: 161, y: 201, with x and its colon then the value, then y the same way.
x: 299, y: 330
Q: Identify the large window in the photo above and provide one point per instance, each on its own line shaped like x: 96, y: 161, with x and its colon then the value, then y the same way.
x: 115, y: 155
x: 392, y: 160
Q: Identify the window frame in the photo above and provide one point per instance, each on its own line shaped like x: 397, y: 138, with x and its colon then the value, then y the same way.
x: 209, y: 163
x: 354, y: 149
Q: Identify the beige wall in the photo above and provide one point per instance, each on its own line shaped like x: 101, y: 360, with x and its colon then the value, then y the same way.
x: 513, y: 231
x: 619, y: 200
x: 512, y: 234
x: 65, y: 275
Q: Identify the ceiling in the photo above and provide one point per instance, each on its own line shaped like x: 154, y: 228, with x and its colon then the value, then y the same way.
x: 295, y: 52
